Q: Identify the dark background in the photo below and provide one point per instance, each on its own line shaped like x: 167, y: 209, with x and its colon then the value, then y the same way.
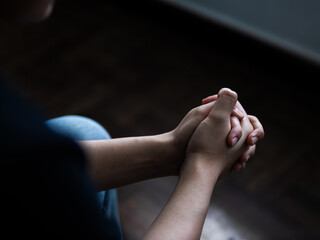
x: 138, y: 68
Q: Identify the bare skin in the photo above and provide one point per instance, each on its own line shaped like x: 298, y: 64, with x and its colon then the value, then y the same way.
x: 256, y: 135
x: 122, y: 161
x: 208, y: 157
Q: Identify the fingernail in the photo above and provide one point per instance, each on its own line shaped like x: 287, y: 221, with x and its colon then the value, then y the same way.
x: 254, y: 140
x: 234, y: 141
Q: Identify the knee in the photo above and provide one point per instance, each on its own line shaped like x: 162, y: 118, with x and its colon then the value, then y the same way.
x: 78, y: 127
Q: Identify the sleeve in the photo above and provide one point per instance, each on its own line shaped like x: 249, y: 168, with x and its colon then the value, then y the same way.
x: 46, y: 189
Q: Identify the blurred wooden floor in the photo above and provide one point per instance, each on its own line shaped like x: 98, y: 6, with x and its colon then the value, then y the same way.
x: 139, y: 68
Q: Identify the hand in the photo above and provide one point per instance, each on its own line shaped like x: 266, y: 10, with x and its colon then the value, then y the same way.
x: 182, y: 133
x: 208, y: 145
x: 252, y: 139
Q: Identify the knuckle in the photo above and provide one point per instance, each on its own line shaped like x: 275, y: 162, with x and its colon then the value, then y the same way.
x: 217, y: 118
x: 228, y: 92
x: 260, y: 133
x: 252, y: 117
x: 192, y: 112
x: 235, y: 121
x: 201, y: 112
x: 257, y: 125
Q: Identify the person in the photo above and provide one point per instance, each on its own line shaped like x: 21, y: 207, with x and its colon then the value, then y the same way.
x: 58, y: 176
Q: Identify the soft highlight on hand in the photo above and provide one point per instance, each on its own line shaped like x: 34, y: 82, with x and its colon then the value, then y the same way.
x: 209, y: 141
x: 235, y: 132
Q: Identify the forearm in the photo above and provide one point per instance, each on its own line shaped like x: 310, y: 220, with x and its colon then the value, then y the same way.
x: 208, y: 157
x: 184, y: 214
x: 122, y: 161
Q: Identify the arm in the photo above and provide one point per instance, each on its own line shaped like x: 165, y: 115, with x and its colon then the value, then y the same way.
x: 184, y: 214
x: 208, y: 157
x: 117, y: 162
x: 121, y: 161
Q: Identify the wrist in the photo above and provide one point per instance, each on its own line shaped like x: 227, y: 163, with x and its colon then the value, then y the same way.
x: 198, y: 164
x: 169, y: 157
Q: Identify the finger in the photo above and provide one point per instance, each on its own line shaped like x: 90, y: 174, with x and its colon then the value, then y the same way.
x: 235, y: 132
x: 210, y: 99
x: 236, y: 111
x: 258, y: 131
x: 239, y: 166
x: 224, y: 105
x: 240, y: 107
x: 196, y: 115
x: 249, y: 153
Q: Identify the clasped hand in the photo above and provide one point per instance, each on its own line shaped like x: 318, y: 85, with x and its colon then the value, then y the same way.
x: 219, y: 132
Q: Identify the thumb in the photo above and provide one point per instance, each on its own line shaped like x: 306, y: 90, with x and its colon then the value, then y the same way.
x: 224, y: 105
